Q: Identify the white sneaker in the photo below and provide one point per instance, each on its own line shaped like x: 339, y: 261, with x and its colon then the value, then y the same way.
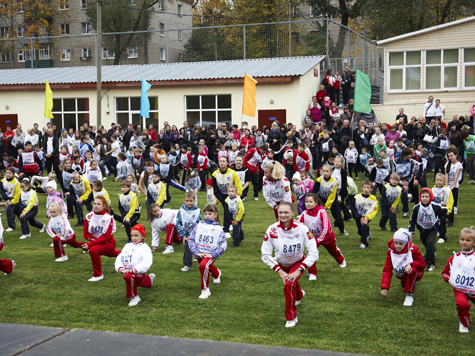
x: 205, y: 293
x: 95, y: 279
x: 369, y: 236
x: 186, y: 269
x: 9, y: 229
x: 312, y: 277
x: 61, y: 259
x: 134, y: 301
x: 217, y: 280
x: 455, y: 211
x: 152, y: 278
x: 440, y: 241
x: 52, y: 245
x: 256, y: 199
x: 362, y: 246
x: 22, y: 237
x: 43, y: 228
x: 408, y: 301
x: 291, y: 323
x: 298, y: 301
x: 463, y: 329
x: 243, y: 199
x: 105, y: 178
x: 405, y: 215
x: 343, y: 264
x: 169, y: 249
x: 344, y: 233
x: 227, y: 235
x: 195, y: 259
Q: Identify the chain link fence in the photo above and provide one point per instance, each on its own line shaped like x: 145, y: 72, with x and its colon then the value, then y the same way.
x: 339, y: 44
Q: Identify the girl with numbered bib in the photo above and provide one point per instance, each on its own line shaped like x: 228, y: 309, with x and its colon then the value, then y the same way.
x: 405, y: 259
x: 163, y: 220
x: 207, y: 242
x: 275, y: 187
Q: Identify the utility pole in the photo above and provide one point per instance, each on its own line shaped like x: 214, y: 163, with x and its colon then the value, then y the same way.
x: 99, y: 62
x: 290, y: 28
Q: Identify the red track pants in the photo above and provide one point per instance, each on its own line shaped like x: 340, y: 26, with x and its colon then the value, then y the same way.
x: 105, y: 249
x: 172, y: 235
x: 6, y: 266
x: 408, y: 281
x: 292, y: 292
x: 207, y: 267
x: 333, y: 249
x: 132, y: 281
x: 463, y: 307
x: 58, y: 245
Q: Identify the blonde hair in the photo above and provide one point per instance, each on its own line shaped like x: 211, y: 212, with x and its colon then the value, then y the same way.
x: 278, y: 170
x: 75, y: 174
x: 469, y: 231
x: 56, y: 206
x: 441, y: 175
x: 394, y: 176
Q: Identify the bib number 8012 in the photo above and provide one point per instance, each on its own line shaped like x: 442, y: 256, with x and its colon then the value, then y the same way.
x: 468, y: 281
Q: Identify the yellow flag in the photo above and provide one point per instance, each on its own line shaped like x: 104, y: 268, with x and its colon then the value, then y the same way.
x: 48, y: 101
x: 249, y: 98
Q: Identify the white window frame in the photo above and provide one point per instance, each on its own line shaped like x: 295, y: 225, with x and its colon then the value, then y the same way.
x: 216, y: 109
x: 88, y: 53
x: 76, y: 111
x: 133, y: 52
x: 180, y: 10
x: 106, y: 54
x: 403, y: 67
x: 161, y: 27
x: 85, y: 28
x: 4, y: 32
x: 64, y: 5
x: 83, y: 4
x: 161, y: 5
x: 180, y: 35
x: 65, y: 54
x: 22, y: 55
x: 130, y: 112
x: 463, y: 68
x: 133, y: 3
x: 163, y: 54
x: 442, y: 70
x: 44, y: 53
x: 63, y: 28
x: 5, y: 57
x: 312, y: 11
x: 20, y: 31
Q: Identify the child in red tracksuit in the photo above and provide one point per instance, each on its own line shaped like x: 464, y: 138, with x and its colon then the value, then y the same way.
x: 317, y: 221
x: 460, y: 273
x: 203, y: 166
x: 407, y: 262
x: 6, y: 266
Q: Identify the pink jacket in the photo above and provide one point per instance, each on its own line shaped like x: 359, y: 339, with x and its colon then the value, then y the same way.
x: 392, y: 136
x: 55, y: 197
x: 325, y: 235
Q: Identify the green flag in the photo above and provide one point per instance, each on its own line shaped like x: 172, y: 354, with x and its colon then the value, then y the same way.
x: 362, y: 93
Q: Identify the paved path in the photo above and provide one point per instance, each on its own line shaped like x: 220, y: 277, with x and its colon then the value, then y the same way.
x: 28, y: 340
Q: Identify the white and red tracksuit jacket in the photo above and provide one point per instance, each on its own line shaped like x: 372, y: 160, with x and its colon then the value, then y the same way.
x: 252, y: 160
x: 186, y: 160
x: 289, y: 245
x: 461, y: 260
x: 60, y: 225
x: 98, y: 228
x: 160, y: 224
x: 202, y: 161
x: 301, y: 161
x: 137, y: 257
x: 276, y: 191
x: 318, y: 222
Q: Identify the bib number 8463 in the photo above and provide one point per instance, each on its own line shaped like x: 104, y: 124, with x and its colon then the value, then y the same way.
x: 206, y: 239
x: 468, y: 281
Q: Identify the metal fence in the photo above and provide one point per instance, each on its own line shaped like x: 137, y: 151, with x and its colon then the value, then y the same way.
x: 341, y: 45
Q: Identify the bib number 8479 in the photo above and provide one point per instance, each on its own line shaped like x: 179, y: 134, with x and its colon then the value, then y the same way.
x: 291, y: 248
x: 468, y: 281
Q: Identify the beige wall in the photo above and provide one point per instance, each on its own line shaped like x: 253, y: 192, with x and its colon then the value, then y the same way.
x: 294, y: 97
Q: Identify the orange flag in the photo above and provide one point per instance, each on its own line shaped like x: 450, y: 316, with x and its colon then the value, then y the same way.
x: 249, y: 97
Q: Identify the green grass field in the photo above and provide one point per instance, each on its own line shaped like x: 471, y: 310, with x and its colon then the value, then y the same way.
x: 342, y: 311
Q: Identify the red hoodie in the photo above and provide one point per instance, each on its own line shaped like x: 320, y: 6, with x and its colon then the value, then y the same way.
x: 202, y: 161
x: 418, y: 264
x: 299, y: 160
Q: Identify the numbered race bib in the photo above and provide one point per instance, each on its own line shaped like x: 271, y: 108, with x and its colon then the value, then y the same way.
x: 441, y: 195
x: 470, y: 145
x: 336, y: 174
x: 351, y: 157
x: 426, y: 216
x: 392, y: 192
x: 443, y: 144
x: 188, y: 218
x: 207, y: 236
x: 164, y: 170
x: 403, y: 169
x: 66, y: 179
x: 462, y: 273
x: 301, y: 163
x: 291, y: 245
x: 127, y: 261
x: 242, y: 176
x: 381, y: 175
x: 325, y: 147
x: 400, y: 261
x: 326, y: 188
x: 28, y: 158
x: 315, y: 225
x: 201, y: 160
x: 364, y: 206
x: 184, y: 159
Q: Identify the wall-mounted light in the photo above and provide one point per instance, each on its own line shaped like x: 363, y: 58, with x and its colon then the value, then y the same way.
x: 107, y: 111
x: 271, y: 101
x: 7, y: 107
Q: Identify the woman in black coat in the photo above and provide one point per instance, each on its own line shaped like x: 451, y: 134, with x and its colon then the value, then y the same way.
x: 274, y: 139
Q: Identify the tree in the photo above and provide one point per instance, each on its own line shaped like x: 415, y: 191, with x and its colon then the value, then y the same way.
x: 124, y: 19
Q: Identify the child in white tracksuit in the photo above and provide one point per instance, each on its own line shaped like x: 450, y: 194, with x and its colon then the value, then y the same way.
x: 163, y: 220
x: 134, y: 261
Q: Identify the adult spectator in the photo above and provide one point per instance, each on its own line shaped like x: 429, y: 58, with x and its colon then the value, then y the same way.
x: 247, y: 141
x: 18, y: 141
x: 39, y: 133
x: 321, y: 94
x: 51, y: 151
x: 429, y: 112
x: 400, y: 116
x: 152, y: 133
x: 316, y: 113
x: 346, y: 85
x: 139, y: 129
x: 168, y: 138
x: 392, y: 135
x: 236, y: 133
x: 455, y: 137
x: 92, y: 134
x: 32, y: 137
x: 344, y: 134
x: 439, y: 110
x: 204, y: 135
x: 223, y: 133
x: 274, y: 139
x: 329, y: 84
x: 129, y: 133
x: 351, y: 93
x: 112, y: 129
x: 359, y: 137
x: 57, y: 133
x: 454, y: 122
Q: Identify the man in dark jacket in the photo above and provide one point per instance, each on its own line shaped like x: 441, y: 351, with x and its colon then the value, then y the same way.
x: 51, y: 151
x: 128, y: 135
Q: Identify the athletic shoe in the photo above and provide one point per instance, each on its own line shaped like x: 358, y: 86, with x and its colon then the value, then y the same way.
x: 455, y: 210
x: 344, y: 233
x: 450, y: 224
x: 205, y: 293
x: 471, y: 182
x: 70, y: 217
x: 95, y: 279
x: 80, y: 223
x: 357, y: 178
x: 9, y: 229
x: 52, y: 245
x: 312, y: 277
x: 405, y: 215
x: 22, y: 237
x: 134, y: 301
x: 362, y: 246
x: 194, y: 259
x: 105, y: 178
x: 166, y: 204
x: 152, y: 277
x: 256, y: 199
x: 291, y: 323
x: 369, y: 236
x: 349, y: 219
x: 343, y: 264
x: 243, y: 199
x: 440, y: 241
x: 169, y: 249
x: 409, y: 300
x: 227, y: 235
x: 61, y: 259
x: 298, y: 301
x: 430, y: 268
x: 154, y: 249
x: 384, y: 228
x: 463, y: 329
x: 393, y: 230
x: 186, y: 269
x: 217, y: 280
x: 43, y: 228
x: 13, y: 266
